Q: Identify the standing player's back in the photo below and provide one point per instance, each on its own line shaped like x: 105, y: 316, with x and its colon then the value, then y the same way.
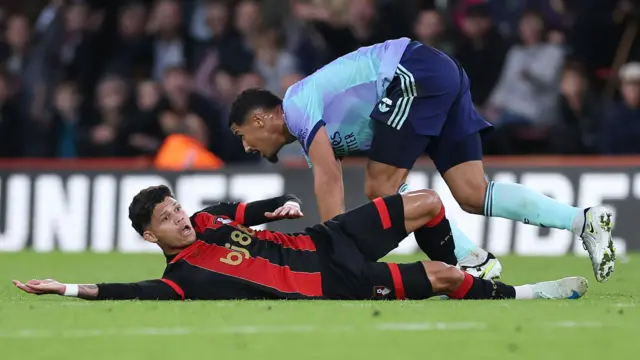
x: 342, y: 94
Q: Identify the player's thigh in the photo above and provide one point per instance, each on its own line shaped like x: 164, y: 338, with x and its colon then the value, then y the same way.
x: 376, y: 227
x: 391, y: 281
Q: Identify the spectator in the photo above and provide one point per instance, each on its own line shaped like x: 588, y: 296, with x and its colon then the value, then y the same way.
x: 140, y: 139
x: 620, y: 130
x: 105, y: 132
x: 272, y: 61
x: 248, y: 20
x: 128, y: 50
x: 247, y: 23
x: 65, y: 121
x: 527, y: 90
x: 481, y: 51
x: 576, y: 128
x: 170, y: 45
x: 68, y: 50
x: 15, y: 49
x: 223, y: 51
x: 429, y: 29
x: 148, y: 95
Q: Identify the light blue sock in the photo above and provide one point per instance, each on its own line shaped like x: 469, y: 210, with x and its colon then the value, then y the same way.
x: 518, y: 202
x: 464, y: 245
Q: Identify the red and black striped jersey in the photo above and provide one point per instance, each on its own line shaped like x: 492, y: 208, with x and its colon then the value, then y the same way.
x: 230, y: 260
x: 243, y: 263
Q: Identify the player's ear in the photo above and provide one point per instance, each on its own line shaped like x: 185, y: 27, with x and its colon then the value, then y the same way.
x: 258, y: 119
x: 149, y: 236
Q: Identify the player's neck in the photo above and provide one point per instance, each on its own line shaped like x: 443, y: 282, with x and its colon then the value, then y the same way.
x: 170, y: 251
x: 286, y: 134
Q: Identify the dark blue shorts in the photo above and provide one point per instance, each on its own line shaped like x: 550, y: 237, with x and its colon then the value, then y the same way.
x: 427, y: 109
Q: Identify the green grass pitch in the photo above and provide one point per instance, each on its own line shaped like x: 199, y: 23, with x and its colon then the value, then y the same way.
x: 604, y: 324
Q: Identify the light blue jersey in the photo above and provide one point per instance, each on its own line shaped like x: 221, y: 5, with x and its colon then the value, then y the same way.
x: 341, y: 97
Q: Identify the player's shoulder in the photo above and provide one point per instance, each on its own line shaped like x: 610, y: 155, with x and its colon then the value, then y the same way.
x: 212, y: 217
x: 302, y: 106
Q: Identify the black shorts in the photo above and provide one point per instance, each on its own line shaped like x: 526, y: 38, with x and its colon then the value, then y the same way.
x: 350, y: 246
x: 431, y: 112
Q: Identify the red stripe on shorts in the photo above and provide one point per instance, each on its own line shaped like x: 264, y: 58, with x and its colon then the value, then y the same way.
x: 383, y: 212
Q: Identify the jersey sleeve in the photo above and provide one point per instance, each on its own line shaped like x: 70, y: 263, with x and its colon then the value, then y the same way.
x: 158, y: 289
x: 303, y: 111
x: 251, y: 213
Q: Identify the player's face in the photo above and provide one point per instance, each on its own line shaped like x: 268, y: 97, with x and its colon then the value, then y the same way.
x: 170, y: 226
x: 259, y: 134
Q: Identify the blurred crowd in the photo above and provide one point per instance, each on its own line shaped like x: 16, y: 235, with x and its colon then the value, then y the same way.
x: 115, y: 78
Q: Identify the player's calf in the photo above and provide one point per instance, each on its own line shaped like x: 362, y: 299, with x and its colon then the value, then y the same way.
x: 468, y: 186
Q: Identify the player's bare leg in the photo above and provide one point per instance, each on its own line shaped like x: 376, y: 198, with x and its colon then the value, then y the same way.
x: 516, y: 202
x: 382, y: 180
x: 447, y: 279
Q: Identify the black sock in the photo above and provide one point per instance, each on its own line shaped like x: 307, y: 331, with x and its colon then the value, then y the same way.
x: 473, y: 288
x: 435, y: 240
x: 489, y: 289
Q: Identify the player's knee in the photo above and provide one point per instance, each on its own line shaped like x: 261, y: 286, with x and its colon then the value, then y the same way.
x: 444, y: 278
x: 470, y: 197
x: 379, y: 186
x: 420, y: 207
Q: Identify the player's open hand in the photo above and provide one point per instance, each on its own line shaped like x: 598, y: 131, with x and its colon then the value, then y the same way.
x: 290, y: 210
x: 40, y: 287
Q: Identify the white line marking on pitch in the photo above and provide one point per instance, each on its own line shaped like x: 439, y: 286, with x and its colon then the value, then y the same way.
x: 431, y: 326
x: 250, y: 329
x: 272, y: 329
x: 625, y: 305
x: 576, y: 324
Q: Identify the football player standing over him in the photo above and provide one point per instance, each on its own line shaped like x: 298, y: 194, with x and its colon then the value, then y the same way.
x: 395, y: 101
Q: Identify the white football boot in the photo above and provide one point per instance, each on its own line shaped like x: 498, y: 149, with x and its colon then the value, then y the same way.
x: 596, y: 239
x: 567, y: 288
x: 489, y: 269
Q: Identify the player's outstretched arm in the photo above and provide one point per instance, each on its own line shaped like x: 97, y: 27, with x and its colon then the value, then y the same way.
x: 260, y: 212
x: 327, y: 177
x: 143, y: 290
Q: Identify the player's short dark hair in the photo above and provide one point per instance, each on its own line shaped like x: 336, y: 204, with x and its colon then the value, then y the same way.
x: 250, y: 100
x: 142, y: 205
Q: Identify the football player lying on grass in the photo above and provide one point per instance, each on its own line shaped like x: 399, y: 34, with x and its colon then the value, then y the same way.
x: 215, y: 255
